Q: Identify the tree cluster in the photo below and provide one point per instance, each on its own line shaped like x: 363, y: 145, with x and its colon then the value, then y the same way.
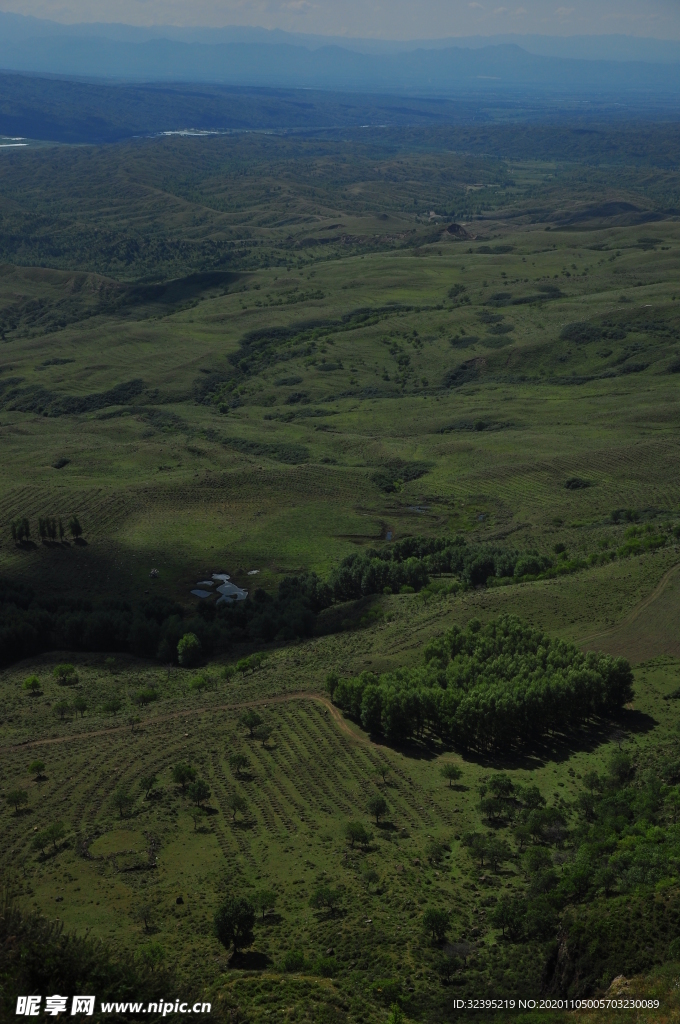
x: 495, y: 687
x: 50, y: 528
x: 412, y: 561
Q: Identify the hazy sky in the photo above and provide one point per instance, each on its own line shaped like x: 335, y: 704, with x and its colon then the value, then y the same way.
x: 390, y: 19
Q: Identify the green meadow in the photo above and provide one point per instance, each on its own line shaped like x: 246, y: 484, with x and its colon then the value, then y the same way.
x: 268, y: 354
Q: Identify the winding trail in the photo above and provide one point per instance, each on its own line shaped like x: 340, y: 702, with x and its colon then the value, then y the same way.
x: 281, y: 698
x: 632, y: 615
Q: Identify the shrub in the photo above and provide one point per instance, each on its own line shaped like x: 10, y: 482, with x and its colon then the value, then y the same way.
x: 294, y: 960
x: 146, y: 696
x: 326, y: 966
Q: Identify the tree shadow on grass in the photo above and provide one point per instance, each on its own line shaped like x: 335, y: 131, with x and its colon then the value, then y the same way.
x: 271, y: 918
x: 249, y: 960
x: 561, y: 746
x: 242, y: 824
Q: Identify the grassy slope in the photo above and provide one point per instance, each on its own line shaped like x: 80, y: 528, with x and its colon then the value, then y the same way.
x: 318, y: 774
x: 158, y: 481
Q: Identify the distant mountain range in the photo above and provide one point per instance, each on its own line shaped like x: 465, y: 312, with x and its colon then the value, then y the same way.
x: 580, y: 66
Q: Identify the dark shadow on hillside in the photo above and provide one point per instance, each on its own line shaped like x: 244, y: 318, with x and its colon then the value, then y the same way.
x: 272, y: 918
x: 182, y: 289
x: 560, y: 747
x: 242, y: 826
x: 249, y: 960
x: 635, y: 721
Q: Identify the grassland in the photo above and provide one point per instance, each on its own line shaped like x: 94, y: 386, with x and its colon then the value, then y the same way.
x: 227, y: 346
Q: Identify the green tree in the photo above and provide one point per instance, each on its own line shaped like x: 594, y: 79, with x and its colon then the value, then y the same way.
x: 451, y: 772
x: 621, y: 767
x: 189, y: 650
x: 196, y: 815
x: 508, y: 915
x: 61, y: 529
x: 144, y: 913
x: 369, y: 875
x: 40, y: 840
x: 112, y: 707
x: 75, y: 528
x: 436, y: 923
x: 591, y: 780
x: 497, y: 851
x: 377, y: 805
x: 65, y: 675
x: 146, y: 696
x: 587, y: 802
x: 435, y: 850
x: 37, y: 768
x: 522, y: 836
x: 476, y: 844
x: 62, y: 708
x: 122, y: 799
x: 263, y: 733
x: 536, y: 859
x: 183, y: 773
x: 199, y: 791
x: 21, y: 530
x: 147, y: 782
x: 532, y: 798
x: 55, y: 832
x: 325, y: 898
x: 32, y: 684
x: 237, y: 805
x: 250, y: 719
x: 80, y: 705
x: 356, y: 832
x: 17, y: 798
x: 383, y: 770
x: 234, y: 922
x: 239, y: 763
x: 264, y: 901
x: 501, y: 786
